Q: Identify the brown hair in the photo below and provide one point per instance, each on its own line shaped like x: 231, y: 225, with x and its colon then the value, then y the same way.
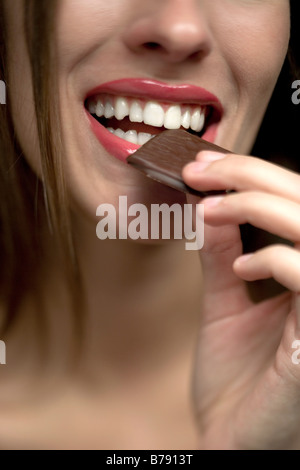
x: 25, y: 202
x: 29, y: 206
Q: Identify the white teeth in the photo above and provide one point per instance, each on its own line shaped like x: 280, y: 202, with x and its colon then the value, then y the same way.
x: 143, y: 138
x: 136, y: 112
x: 92, y: 107
x: 109, y: 111
x: 173, y: 117
x: 131, y: 136
x: 151, y: 113
x: 100, y: 109
x: 186, y: 119
x: 154, y: 114
x: 202, y: 122
x: 121, y: 108
x: 197, y: 120
x: 119, y: 133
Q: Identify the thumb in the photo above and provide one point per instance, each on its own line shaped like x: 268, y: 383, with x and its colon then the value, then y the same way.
x: 225, y: 294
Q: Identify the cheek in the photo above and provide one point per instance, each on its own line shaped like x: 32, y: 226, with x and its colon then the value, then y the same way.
x: 257, y: 44
x: 83, y: 26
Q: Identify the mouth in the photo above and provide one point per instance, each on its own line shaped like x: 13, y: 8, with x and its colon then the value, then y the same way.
x: 123, y: 122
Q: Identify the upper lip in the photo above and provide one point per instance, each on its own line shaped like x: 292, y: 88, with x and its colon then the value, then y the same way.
x: 160, y: 91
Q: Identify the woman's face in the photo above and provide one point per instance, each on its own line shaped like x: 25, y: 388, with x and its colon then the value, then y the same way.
x: 210, y: 66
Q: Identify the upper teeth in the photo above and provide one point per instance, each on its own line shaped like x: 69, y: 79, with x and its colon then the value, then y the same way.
x: 171, y: 116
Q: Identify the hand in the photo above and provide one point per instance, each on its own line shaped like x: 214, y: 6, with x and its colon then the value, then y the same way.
x: 246, y: 386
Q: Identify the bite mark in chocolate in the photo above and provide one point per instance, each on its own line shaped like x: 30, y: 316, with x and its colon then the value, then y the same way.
x: 164, y: 156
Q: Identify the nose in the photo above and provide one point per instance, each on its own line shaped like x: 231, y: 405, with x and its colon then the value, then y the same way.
x: 175, y: 30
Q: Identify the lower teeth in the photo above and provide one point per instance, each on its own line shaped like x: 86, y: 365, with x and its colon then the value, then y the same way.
x: 134, y: 137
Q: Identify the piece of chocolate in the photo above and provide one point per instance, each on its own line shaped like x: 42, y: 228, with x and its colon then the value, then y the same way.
x: 164, y: 156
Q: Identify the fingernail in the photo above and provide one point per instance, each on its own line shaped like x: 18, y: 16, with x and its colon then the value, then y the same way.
x: 244, y: 258
x: 209, y: 156
x: 213, y: 201
x: 197, y: 167
x: 206, y: 158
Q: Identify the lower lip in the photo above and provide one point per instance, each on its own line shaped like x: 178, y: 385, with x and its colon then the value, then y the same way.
x: 115, y: 146
x: 120, y: 148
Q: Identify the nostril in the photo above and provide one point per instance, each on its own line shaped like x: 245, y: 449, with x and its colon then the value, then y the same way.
x: 196, y: 56
x: 152, y: 46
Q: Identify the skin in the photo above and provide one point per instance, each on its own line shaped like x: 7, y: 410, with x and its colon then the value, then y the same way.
x: 257, y: 340
x: 136, y: 352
